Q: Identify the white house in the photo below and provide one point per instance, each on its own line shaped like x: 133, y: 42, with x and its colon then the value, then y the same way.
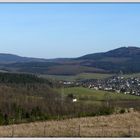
x: 74, y: 100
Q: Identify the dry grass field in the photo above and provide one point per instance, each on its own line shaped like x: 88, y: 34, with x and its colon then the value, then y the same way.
x: 116, y: 125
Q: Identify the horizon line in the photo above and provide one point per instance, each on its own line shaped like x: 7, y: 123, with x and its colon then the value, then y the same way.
x: 33, y: 57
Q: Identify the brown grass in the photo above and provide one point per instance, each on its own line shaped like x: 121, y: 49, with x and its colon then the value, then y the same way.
x: 116, y: 125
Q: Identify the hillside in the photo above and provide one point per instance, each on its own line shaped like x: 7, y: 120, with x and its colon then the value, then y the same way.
x: 116, y: 125
x: 11, y: 58
x: 125, y: 59
x: 25, y: 98
x: 119, y: 53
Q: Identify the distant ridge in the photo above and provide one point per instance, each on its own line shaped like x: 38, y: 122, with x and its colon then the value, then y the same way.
x: 125, y: 59
x: 11, y: 58
x: 129, y: 51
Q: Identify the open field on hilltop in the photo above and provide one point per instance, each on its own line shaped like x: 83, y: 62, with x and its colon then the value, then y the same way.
x: 82, y: 76
x: 85, y: 76
x: 116, y: 125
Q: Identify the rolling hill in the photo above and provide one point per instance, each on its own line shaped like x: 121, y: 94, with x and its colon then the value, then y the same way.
x: 11, y: 58
x: 125, y: 59
x: 116, y: 53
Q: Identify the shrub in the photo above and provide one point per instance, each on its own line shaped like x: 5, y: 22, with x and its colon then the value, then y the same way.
x: 106, y: 110
x: 6, y: 119
x: 122, y: 111
x: 1, y: 119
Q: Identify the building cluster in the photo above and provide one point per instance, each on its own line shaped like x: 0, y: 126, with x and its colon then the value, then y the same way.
x: 117, y: 84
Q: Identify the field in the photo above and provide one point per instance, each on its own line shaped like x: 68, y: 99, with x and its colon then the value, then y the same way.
x: 95, y: 95
x: 98, y: 97
x: 116, y: 125
x: 82, y: 76
x: 132, y: 75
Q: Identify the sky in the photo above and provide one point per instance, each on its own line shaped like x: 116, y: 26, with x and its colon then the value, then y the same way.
x: 60, y: 30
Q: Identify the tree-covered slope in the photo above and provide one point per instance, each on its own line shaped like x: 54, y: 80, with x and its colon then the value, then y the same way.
x: 125, y: 59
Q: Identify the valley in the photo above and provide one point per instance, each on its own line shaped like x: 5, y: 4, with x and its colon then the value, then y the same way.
x: 42, y: 91
x: 69, y: 70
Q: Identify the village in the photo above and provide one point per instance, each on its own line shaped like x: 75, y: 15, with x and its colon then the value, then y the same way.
x: 116, y: 84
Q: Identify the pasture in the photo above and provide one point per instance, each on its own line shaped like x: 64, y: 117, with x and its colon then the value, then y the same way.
x: 95, y: 95
x: 98, y: 97
x: 82, y: 76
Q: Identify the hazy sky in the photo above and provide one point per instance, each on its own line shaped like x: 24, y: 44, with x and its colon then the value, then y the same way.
x: 67, y: 30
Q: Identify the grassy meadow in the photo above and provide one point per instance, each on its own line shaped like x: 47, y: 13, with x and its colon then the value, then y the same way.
x: 98, y: 98
x: 82, y: 76
x: 116, y: 125
x: 94, y: 95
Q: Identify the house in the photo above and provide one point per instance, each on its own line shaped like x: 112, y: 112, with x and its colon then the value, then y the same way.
x: 96, y: 88
x: 74, y: 100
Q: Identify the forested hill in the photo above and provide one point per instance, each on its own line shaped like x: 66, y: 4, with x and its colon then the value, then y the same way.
x: 11, y: 58
x: 125, y: 59
x: 129, y: 52
x: 21, y: 78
